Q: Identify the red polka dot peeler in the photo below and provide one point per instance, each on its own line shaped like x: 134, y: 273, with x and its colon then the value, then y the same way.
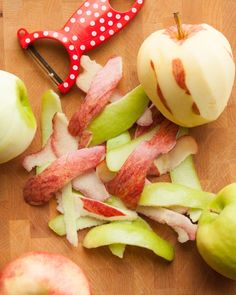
x: 92, y: 24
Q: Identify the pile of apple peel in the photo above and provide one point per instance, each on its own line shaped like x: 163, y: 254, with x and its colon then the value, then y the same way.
x: 103, y: 167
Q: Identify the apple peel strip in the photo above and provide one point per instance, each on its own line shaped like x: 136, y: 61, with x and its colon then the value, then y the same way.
x: 90, y: 185
x: 128, y: 184
x: 41, y: 188
x: 86, y: 207
x: 181, y: 224
x: 185, y: 146
x: 90, y: 70
x: 101, y: 89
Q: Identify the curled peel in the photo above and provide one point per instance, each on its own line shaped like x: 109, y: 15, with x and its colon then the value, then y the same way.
x: 59, y: 143
x: 104, y: 173
x: 85, y: 79
x: 130, y: 180
x: 185, y: 229
x: 146, y: 118
x: 100, y: 91
x: 128, y: 233
x: 157, y: 118
x: 57, y: 224
x: 165, y: 194
x: 41, y: 188
x: 62, y: 141
x: 87, y: 207
x: 90, y: 70
x: 46, y: 155
x: 185, y: 146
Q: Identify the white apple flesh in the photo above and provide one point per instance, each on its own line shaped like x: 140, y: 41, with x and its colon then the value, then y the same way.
x: 189, y: 79
x: 17, y: 121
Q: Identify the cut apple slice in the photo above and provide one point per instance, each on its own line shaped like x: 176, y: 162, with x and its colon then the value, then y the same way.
x: 164, y: 194
x: 50, y: 105
x: 118, y: 116
x: 98, y: 95
x: 57, y: 224
x: 185, y: 146
x: 185, y: 229
x: 129, y: 182
x: 62, y: 141
x: 129, y: 233
x: 41, y: 188
x: 91, y: 186
x: 116, y: 158
x: 46, y: 155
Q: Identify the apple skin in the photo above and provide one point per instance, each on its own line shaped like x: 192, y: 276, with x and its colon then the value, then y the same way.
x: 189, y: 80
x: 43, y: 273
x: 216, y: 239
x: 118, y: 116
x: 17, y: 121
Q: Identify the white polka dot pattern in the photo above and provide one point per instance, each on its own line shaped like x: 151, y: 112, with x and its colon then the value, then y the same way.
x: 93, y: 23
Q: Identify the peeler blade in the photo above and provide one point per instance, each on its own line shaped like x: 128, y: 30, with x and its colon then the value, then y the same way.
x: 44, y: 65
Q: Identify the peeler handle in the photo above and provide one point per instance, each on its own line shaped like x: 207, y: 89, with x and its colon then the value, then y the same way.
x: 96, y: 21
x: 92, y: 24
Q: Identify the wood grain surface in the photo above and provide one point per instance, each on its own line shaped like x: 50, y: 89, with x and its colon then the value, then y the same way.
x: 24, y: 228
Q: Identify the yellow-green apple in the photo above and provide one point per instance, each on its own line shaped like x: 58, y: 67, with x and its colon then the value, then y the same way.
x: 188, y: 72
x: 17, y: 121
x: 216, y: 239
x: 43, y: 273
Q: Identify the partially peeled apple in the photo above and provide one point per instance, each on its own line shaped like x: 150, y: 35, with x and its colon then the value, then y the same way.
x: 188, y: 72
x: 17, y: 121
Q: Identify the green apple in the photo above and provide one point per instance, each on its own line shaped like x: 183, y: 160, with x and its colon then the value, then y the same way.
x: 164, y: 194
x: 119, y: 116
x: 216, y: 238
x: 17, y: 121
x: 57, y: 224
x: 115, y: 158
x: 130, y: 233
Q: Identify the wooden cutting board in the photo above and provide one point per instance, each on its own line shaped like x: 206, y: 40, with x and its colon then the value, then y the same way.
x: 24, y: 228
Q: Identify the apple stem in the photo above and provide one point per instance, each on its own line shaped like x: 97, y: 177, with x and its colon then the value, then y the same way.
x: 179, y: 25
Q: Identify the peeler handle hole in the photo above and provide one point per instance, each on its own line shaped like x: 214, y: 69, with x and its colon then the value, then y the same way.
x: 124, y: 7
x: 22, y: 32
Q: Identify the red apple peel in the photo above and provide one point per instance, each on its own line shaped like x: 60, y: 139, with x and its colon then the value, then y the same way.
x: 129, y: 182
x: 41, y: 188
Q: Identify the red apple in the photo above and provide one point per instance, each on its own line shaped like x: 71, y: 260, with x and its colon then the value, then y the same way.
x: 43, y: 273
